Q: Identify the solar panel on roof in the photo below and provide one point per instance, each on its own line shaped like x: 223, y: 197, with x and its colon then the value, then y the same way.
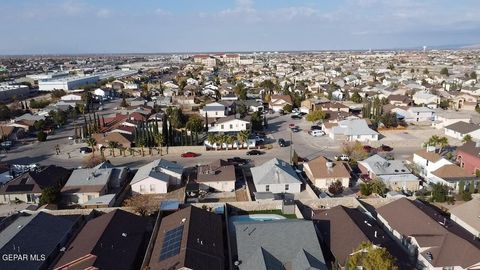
x: 171, y: 243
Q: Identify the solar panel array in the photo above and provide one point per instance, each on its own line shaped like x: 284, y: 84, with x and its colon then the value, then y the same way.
x: 171, y: 243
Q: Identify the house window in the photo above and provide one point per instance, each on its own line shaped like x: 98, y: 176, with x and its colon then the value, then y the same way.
x: 267, y: 188
x: 221, y: 126
x: 216, y: 113
x: 142, y: 188
x: 30, y: 198
x: 89, y: 197
x: 152, y: 188
x: 231, y: 126
x: 287, y: 187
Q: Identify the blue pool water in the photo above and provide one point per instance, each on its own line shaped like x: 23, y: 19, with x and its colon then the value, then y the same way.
x: 256, y: 217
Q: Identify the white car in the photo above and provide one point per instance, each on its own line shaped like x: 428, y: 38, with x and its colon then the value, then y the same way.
x: 342, y: 157
x: 317, y: 133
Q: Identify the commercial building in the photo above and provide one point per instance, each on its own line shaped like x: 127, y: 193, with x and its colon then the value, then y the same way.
x: 67, y: 83
x: 8, y: 91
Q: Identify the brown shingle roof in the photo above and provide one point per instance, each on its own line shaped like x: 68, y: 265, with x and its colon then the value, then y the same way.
x: 451, y: 171
x: 111, y: 241
x: 201, y: 246
x: 447, y: 249
x: 463, y: 127
x: 470, y: 148
x: 430, y: 156
x: 319, y: 169
x: 216, y: 171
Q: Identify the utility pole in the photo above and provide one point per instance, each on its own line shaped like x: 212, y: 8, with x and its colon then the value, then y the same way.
x: 291, y: 143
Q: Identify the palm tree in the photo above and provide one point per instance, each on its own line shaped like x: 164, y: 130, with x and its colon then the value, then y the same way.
x: 158, y: 138
x: 211, y: 138
x: 442, y: 141
x: 222, y: 139
x: 91, y: 142
x: 433, y: 141
x: 243, y: 137
x: 112, y: 145
x: 230, y: 140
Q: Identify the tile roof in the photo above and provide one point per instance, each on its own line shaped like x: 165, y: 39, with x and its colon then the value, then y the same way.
x: 217, y: 171
x: 430, y: 156
x: 452, y: 172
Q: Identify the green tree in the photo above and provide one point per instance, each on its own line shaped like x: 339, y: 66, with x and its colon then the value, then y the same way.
x: 467, y: 138
x: 49, y: 195
x: 241, y: 91
x: 288, y: 108
x: 243, y: 137
x: 425, y: 71
x: 355, y: 97
x: 230, y: 140
x: 473, y: 75
x: 5, y: 113
x: 112, y: 145
x: 439, y: 192
x: 222, y: 139
x: 336, y: 188
x: 212, y: 139
x: 444, y: 71
x: 371, y: 257
x: 256, y: 121
x: 92, y: 143
x: 315, y: 116
x: 194, y: 125
x: 41, y: 136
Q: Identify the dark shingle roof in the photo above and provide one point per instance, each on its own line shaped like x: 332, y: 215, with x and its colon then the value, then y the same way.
x: 40, y: 233
x: 463, y: 127
x: 36, y: 181
x: 114, y: 238
x: 201, y: 246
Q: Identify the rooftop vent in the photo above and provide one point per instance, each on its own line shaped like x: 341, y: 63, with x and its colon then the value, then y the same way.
x: 124, y: 234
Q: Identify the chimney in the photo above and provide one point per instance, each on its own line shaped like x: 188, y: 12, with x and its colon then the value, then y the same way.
x: 477, y: 144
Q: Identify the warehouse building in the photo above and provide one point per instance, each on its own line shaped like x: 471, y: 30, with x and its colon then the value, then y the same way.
x: 8, y: 91
x: 66, y: 83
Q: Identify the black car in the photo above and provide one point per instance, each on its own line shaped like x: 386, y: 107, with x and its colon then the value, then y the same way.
x: 295, y: 129
x: 315, y: 128
x: 282, y: 142
x: 295, y: 116
x: 85, y: 150
x: 254, y: 153
x: 237, y: 161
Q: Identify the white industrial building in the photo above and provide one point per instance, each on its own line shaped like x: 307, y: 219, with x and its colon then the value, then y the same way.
x: 8, y: 91
x: 67, y: 83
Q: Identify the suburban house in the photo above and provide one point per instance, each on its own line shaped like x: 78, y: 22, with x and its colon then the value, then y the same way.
x: 451, y: 175
x: 71, y: 97
x: 115, y: 240
x: 415, y: 114
x: 428, y: 161
x: 313, y: 104
x: 28, y: 186
x: 277, y: 102
x: 399, y: 100
x: 214, y: 110
x: 250, y: 104
x: 350, y: 130
x: 343, y: 229
x: 156, y: 177
x: 121, y: 138
x: 230, y: 124
x: 444, y: 118
x: 468, y: 156
x: 276, y: 176
x: 467, y: 215
x: 218, y: 175
x: 87, y: 184
x: 460, y: 129
x: 425, y: 238
x: 393, y: 173
x: 191, y: 238
x: 41, y: 235
x: 323, y: 172
x: 425, y: 98
x: 104, y: 94
x: 276, y: 244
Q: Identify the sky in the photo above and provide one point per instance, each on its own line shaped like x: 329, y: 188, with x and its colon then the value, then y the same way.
x: 161, y: 26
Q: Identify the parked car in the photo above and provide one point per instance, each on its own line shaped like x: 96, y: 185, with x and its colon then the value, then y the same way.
x: 85, y: 150
x: 295, y: 129
x: 317, y: 133
x: 254, y: 153
x: 294, y: 116
x: 342, y: 157
x: 259, y: 139
x: 368, y: 149
x: 237, y: 161
x: 315, y: 127
x: 384, y: 148
x: 190, y: 155
x: 282, y: 142
x: 292, y: 125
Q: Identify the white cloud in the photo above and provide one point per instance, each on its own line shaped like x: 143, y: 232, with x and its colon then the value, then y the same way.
x: 162, y: 12
x: 290, y: 13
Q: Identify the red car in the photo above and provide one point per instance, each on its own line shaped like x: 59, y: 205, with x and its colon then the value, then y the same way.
x: 190, y: 155
x: 292, y: 125
x: 384, y: 148
x: 368, y: 148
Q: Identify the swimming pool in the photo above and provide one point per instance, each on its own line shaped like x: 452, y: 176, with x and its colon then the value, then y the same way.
x: 256, y: 217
